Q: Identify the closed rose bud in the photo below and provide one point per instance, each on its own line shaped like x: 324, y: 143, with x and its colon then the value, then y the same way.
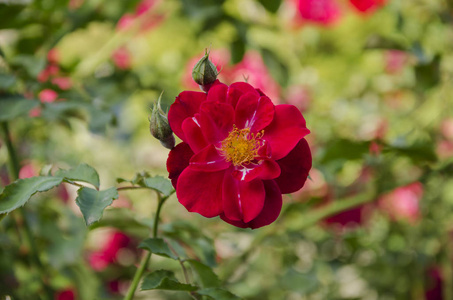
x: 159, y: 126
x: 205, y: 72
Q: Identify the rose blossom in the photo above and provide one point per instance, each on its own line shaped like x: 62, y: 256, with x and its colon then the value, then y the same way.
x: 239, y: 153
x: 48, y: 95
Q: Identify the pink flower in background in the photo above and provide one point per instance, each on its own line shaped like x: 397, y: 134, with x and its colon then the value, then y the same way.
x: 367, y: 6
x: 147, y: 22
x: 27, y: 171
x: 122, y: 58
x: 107, y: 255
x: 403, y: 203
x: 53, y: 56
x: 35, y: 112
x: 323, y: 12
x: 299, y: 96
x: 252, y: 69
x: 395, y: 60
x: 348, y: 218
x: 64, y: 83
x: 48, y: 95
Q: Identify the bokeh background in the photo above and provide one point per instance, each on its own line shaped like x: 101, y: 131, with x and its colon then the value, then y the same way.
x: 373, y: 79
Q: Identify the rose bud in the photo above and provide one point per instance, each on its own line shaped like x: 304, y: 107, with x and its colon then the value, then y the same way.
x: 159, y: 127
x: 205, y: 72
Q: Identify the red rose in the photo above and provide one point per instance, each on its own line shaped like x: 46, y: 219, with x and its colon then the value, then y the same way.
x: 323, y: 12
x: 239, y: 153
x: 366, y: 6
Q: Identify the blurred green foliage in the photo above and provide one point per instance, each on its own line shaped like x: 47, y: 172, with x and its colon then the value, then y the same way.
x: 374, y: 88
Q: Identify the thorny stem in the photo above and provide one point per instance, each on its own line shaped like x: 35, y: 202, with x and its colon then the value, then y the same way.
x: 145, y: 260
x: 14, y: 169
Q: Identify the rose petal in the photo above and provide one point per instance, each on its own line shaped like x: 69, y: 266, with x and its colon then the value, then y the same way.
x: 265, y: 170
x: 242, y: 200
x: 218, y: 93
x: 178, y: 160
x: 285, y: 131
x: 201, y: 192
x: 269, y: 213
x: 194, y: 135
x: 208, y: 160
x: 185, y: 106
x: 295, y: 167
x: 254, y: 112
x: 237, y: 89
x: 216, y: 120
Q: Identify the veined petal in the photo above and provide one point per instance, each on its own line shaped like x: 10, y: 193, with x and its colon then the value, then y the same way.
x: 285, y: 131
x: 270, y: 211
x: 216, y: 120
x: 201, y: 192
x: 194, y: 135
x: 242, y: 201
x: 178, y: 160
x: 208, y: 160
x: 254, y: 112
x: 264, y: 170
x: 185, y: 106
x: 295, y: 167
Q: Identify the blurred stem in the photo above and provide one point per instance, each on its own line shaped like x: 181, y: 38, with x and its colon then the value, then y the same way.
x: 14, y: 170
x: 314, y: 216
x: 141, y: 269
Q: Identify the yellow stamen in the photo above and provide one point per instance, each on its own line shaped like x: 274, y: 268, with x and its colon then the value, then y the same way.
x: 241, y: 146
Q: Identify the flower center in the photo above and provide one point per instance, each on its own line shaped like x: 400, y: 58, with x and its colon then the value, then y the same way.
x: 241, y: 146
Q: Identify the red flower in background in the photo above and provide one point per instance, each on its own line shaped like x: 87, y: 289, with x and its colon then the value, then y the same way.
x: 101, y: 259
x: 48, y: 95
x: 122, y: 58
x: 403, y: 203
x: 239, y: 153
x: 367, y: 6
x: 65, y: 295
x: 324, y: 12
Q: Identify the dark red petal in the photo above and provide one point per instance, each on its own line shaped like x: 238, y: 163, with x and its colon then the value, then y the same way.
x: 269, y: 213
x: 201, y: 192
x: 218, y: 93
x: 185, y: 106
x: 208, y: 160
x: 242, y: 200
x: 231, y: 207
x: 237, y: 89
x: 194, y: 135
x: 216, y: 120
x: 254, y: 112
x: 265, y: 170
x: 178, y: 159
x: 285, y: 131
x: 295, y: 167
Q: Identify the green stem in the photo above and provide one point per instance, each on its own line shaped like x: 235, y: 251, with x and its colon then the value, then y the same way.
x: 141, y: 269
x: 316, y: 215
x: 14, y: 169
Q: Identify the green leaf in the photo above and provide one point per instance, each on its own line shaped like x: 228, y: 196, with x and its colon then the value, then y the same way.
x: 165, y: 280
x: 92, y: 202
x: 160, y: 184
x: 15, y: 106
x: 158, y: 247
x: 82, y: 172
x: 218, y: 294
x: 270, y: 5
x: 428, y: 74
x: 382, y: 42
x: 7, y: 81
x: 346, y: 150
x: 18, y: 193
x: 418, y: 152
x: 205, y: 274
